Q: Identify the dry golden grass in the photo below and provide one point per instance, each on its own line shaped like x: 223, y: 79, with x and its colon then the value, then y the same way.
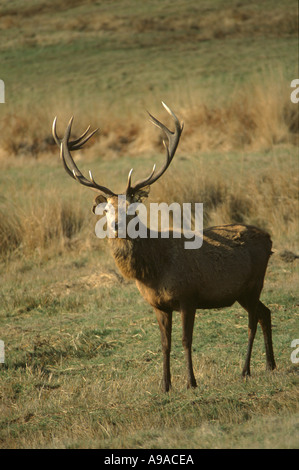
x: 44, y: 222
x: 256, y: 116
x: 268, y: 200
x: 264, y: 197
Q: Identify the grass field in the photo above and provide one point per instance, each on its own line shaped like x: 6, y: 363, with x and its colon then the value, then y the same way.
x: 83, y: 359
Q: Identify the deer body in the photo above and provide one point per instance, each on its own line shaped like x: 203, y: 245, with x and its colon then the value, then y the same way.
x: 232, y: 258
x: 230, y: 265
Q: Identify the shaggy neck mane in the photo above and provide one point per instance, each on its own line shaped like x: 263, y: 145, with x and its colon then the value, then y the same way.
x: 135, y: 258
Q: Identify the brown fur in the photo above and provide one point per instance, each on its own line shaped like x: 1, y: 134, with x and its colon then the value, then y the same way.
x: 230, y: 266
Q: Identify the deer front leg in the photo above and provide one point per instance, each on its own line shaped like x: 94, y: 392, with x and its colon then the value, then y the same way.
x: 188, y: 315
x: 165, y: 324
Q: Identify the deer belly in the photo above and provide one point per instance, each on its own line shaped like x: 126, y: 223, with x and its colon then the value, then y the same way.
x: 221, y: 291
x: 162, y: 299
x: 216, y: 286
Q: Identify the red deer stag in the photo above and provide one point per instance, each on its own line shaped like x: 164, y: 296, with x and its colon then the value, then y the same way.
x: 230, y: 265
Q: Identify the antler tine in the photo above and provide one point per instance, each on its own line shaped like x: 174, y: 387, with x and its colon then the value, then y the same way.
x: 66, y: 145
x: 73, y: 144
x: 173, y: 140
x: 173, y: 137
x: 78, y: 143
x: 54, y: 133
x: 130, y: 189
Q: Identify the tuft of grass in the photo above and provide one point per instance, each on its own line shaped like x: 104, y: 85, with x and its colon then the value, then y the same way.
x: 10, y: 229
x: 43, y: 222
x: 257, y: 115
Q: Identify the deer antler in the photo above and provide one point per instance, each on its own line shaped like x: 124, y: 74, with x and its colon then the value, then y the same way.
x: 173, y: 140
x: 66, y: 145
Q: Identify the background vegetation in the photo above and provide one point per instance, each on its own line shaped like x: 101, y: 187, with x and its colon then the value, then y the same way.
x: 83, y: 358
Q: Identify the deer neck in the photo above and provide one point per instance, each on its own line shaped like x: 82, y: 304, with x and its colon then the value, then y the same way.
x: 135, y: 258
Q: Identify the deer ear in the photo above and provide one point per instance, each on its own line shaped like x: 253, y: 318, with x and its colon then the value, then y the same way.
x: 98, y: 200
x: 141, y: 194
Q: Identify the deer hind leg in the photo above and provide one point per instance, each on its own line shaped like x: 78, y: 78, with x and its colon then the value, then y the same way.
x: 252, y: 325
x: 251, y: 308
x: 165, y: 324
x: 264, y: 318
x: 188, y: 315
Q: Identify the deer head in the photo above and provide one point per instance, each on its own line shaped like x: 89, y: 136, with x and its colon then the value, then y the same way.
x: 134, y: 192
